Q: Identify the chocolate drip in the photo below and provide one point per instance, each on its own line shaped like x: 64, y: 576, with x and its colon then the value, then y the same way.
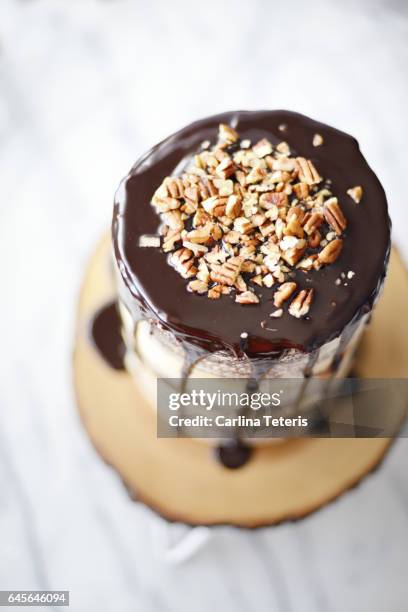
x: 192, y: 356
x: 234, y: 454
x: 107, y: 337
x: 313, y: 356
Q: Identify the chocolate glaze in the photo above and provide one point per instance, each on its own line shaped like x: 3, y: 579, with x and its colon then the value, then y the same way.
x: 151, y: 288
x: 106, y: 335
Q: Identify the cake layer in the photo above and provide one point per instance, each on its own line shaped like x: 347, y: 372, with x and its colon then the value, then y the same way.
x: 167, y: 360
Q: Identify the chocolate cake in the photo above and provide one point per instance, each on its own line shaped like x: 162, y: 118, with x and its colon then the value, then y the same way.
x: 250, y: 244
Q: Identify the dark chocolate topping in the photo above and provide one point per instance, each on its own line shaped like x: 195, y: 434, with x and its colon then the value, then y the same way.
x: 107, y: 337
x: 156, y: 289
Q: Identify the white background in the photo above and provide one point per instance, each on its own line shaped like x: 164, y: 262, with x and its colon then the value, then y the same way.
x: 85, y: 87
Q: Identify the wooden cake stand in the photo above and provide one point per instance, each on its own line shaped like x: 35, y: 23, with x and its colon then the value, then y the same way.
x: 179, y: 478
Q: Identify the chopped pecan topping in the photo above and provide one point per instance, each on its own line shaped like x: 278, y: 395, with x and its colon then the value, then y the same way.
x: 249, y: 214
x: 300, y: 305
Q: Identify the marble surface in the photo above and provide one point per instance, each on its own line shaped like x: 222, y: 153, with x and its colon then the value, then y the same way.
x: 85, y: 87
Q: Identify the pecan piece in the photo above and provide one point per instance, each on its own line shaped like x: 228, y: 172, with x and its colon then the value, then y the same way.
x: 173, y: 219
x: 262, y: 148
x: 313, y: 223
x: 197, y: 249
x: 356, y: 193
x: 293, y: 227
x: 233, y: 207
x: 225, y: 168
x: 268, y: 280
x: 201, y: 235
x: 300, y: 306
x: 210, y: 204
x: 271, y: 198
x: 301, y: 190
x: 226, y: 273
x: 197, y: 286
x: 248, y: 297
x: 215, y: 292
x: 334, y: 216
x: 183, y: 261
x: 149, y: 240
x: 203, y: 273
x: 257, y: 280
x: 225, y: 187
x: 165, y: 204
x: 242, y: 225
x: 318, y: 140
x: 294, y: 254
x: 330, y: 252
x: 200, y: 218
x: 256, y: 175
x: 175, y: 187
x: 314, y: 239
x: 232, y: 237
x: 227, y: 133
x: 240, y: 284
x: 307, y: 172
x: 283, y: 293
x: 283, y: 163
x: 170, y: 240
x: 192, y: 193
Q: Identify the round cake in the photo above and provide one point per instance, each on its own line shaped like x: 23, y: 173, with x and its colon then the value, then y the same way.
x: 250, y: 243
